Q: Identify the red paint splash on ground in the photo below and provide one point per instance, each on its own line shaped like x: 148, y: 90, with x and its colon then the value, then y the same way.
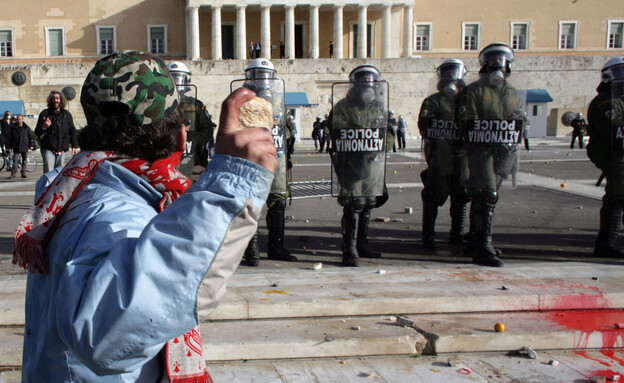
x: 589, y: 321
x: 614, y: 358
x: 570, y: 295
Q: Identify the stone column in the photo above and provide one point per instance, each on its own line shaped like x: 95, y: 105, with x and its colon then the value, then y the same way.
x: 407, y: 31
x: 241, y: 33
x: 314, y: 31
x: 194, y: 31
x: 265, y: 31
x: 338, y: 31
x: 217, y: 52
x: 289, y: 39
x: 386, y: 32
x: 361, y: 36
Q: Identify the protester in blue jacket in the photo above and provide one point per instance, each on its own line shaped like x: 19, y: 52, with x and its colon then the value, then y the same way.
x: 118, y: 271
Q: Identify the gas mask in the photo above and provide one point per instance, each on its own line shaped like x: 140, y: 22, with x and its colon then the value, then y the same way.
x: 367, y: 95
x: 496, y: 77
x: 450, y: 90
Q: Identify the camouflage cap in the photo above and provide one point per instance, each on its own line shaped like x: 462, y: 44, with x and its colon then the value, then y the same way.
x: 131, y: 83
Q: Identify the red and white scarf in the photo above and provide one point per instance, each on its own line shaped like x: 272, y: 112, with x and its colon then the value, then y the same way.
x: 184, y: 354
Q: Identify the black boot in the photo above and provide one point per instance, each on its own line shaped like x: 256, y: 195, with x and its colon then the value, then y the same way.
x: 430, y: 214
x: 487, y: 255
x: 363, y: 248
x: 474, y: 233
x: 252, y: 252
x: 350, y: 218
x: 458, y: 221
x: 275, y: 223
x: 606, y: 244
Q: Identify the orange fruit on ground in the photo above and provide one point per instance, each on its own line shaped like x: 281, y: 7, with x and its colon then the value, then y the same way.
x: 499, y: 327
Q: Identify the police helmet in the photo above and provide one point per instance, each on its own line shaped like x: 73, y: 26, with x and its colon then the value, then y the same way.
x: 497, y: 56
x: 326, y: 115
x: 260, y: 69
x: 364, y: 74
x: 180, y: 73
x: 390, y: 112
x: 451, y: 70
x: 613, y: 69
x: 579, y: 115
x: 318, y: 117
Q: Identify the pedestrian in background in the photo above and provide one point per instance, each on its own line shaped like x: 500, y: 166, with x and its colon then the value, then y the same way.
x: 21, y: 139
x: 56, y: 131
x: 5, y: 127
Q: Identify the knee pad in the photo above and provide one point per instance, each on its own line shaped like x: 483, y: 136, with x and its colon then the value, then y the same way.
x: 491, y: 198
x: 278, y: 204
x: 358, y: 204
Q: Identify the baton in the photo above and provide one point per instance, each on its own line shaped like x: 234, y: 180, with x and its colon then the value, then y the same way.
x: 602, y: 176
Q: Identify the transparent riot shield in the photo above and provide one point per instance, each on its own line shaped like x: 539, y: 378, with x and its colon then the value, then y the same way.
x: 358, y: 125
x: 616, y: 117
x: 272, y: 90
x: 492, y: 119
x: 188, y: 102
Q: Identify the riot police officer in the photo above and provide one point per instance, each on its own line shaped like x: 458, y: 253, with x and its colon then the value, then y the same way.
x: 325, y: 140
x: 578, y: 130
x: 358, y: 124
x: 261, y: 77
x: 490, y: 118
x: 394, y: 127
x: 606, y: 150
x: 194, y: 111
x: 444, y: 153
x: 317, y: 134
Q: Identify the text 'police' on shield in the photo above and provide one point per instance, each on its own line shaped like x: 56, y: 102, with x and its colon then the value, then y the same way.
x: 494, y: 131
x: 360, y: 140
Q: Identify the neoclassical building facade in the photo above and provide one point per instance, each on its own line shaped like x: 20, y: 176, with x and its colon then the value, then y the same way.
x: 560, y: 45
x: 369, y: 29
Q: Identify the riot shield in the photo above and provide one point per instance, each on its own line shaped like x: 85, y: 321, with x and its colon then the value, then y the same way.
x: 188, y: 102
x: 616, y: 117
x: 272, y: 90
x: 358, y: 125
x: 492, y: 119
x: 442, y: 140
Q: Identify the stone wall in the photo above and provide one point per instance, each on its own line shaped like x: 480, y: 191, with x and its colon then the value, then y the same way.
x: 571, y: 81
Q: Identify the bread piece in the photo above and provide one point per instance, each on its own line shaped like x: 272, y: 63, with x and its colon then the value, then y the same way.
x: 256, y: 113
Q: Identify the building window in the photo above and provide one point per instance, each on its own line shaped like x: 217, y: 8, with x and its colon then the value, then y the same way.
x: 519, y: 36
x: 422, y: 40
x: 614, y: 39
x: 55, y: 41
x: 6, y: 43
x: 370, y: 39
x: 107, y: 37
x: 567, y: 34
x: 157, y: 39
x: 471, y: 33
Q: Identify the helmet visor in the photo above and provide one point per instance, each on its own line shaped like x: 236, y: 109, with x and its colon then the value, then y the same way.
x: 259, y: 74
x: 451, y: 72
x: 180, y: 78
x: 617, y: 72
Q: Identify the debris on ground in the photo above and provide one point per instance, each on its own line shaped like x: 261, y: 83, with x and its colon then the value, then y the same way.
x: 403, y: 321
x: 528, y: 351
x: 317, y: 266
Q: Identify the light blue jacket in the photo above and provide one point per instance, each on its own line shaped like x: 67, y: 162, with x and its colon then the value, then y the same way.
x: 124, y: 279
